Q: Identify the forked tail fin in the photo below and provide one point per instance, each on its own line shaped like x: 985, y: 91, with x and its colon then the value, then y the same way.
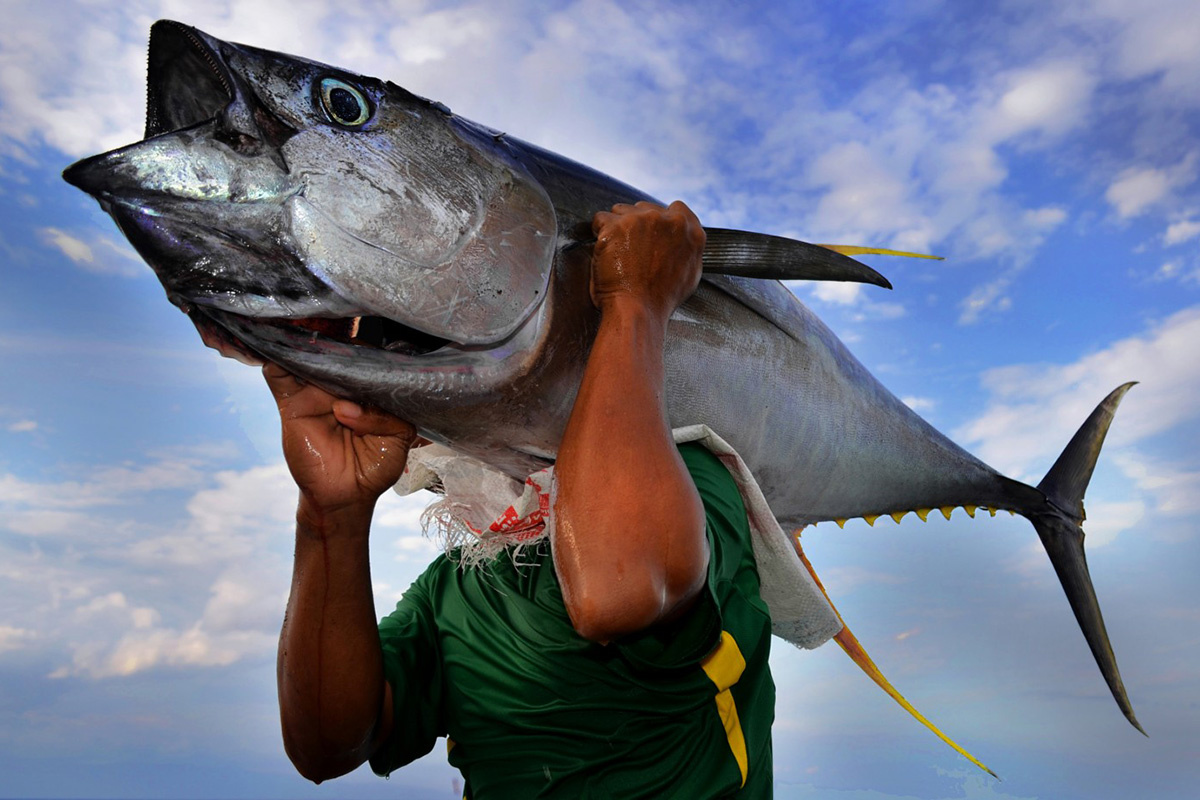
x: 1061, y: 535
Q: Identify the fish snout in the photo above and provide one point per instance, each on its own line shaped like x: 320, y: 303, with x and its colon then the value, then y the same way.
x: 89, y: 174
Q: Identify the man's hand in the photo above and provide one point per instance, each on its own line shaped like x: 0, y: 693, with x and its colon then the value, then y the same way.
x: 648, y: 254
x: 342, y: 456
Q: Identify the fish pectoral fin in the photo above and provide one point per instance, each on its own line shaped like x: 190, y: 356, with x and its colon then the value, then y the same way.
x: 858, y: 654
x: 760, y: 255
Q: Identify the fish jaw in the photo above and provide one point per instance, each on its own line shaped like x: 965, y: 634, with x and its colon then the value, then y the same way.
x: 209, y: 222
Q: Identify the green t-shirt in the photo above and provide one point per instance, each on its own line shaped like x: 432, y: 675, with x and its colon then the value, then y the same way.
x: 488, y: 658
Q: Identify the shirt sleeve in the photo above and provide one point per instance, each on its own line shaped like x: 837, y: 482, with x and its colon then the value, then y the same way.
x: 688, y: 640
x: 411, y: 665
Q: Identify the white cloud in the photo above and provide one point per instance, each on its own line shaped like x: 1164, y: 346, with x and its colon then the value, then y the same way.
x: 1151, y: 39
x: 12, y: 638
x: 1137, y: 189
x: 23, y: 426
x: 1174, y: 487
x: 203, y: 585
x: 1182, y: 231
x: 1050, y: 98
x: 875, y: 312
x: 1045, y: 219
x: 1034, y: 409
x: 68, y: 245
x: 106, y: 486
x: 836, y: 293
x: 1106, y: 520
x: 987, y: 298
x: 241, y: 620
x: 864, y: 194
x: 1177, y: 270
x: 843, y: 581
x: 919, y: 404
x: 102, y: 256
x: 141, y: 650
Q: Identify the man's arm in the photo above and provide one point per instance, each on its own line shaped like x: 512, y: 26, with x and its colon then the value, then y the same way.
x: 629, y: 542
x: 334, y: 703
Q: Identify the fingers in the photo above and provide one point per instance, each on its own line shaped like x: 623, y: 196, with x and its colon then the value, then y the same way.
x: 297, y: 398
x: 678, y: 208
x: 364, y: 420
x: 604, y: 218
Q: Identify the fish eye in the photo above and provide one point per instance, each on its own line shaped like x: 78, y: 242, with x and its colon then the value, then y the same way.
x: 344, y: 104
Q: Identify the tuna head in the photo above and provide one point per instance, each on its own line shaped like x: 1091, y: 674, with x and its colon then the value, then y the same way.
x: 332, y: 222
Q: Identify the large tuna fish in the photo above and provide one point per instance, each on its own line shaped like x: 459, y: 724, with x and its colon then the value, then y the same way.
x: 376, y: 244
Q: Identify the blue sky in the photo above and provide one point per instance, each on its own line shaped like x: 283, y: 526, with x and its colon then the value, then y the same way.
x: 1049, y: 150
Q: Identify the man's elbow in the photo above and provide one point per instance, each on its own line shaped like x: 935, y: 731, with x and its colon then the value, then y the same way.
x: 610, y: 609
x: 319, y: 761
x: 317, y: 769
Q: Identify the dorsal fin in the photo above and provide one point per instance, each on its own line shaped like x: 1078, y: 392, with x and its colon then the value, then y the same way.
x: 859, y: 250
x: 760, y: 255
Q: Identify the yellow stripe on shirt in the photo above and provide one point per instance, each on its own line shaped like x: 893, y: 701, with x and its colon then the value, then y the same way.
x: 724, y: 667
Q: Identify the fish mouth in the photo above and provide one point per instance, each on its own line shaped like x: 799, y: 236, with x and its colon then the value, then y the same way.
x: 375, y: 333
x: 379, y: 333
x: 187, y: 80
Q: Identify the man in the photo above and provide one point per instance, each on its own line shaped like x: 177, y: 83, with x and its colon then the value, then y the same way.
x: 629, y: 659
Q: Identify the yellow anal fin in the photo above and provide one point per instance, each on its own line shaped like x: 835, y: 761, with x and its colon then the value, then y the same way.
x: 853, y: 648
x: 850, y: 644
x: 856, y: 250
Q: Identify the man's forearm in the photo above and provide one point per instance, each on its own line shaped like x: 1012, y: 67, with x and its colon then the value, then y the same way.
x: 330, y: 667
x: 629, y: 527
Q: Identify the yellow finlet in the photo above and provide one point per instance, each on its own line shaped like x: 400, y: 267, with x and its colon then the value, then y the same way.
x: 946, y: 511
x: 923, y: 513
x: 870, y: 518
x: 991, y: 511
x: 856, y: 250
x: 897, y: 516
x: 853, y: 648
x: 841, y: 523
x: 970, y: 511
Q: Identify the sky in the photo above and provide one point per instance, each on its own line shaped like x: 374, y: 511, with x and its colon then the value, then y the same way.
x: 1049, y: 150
